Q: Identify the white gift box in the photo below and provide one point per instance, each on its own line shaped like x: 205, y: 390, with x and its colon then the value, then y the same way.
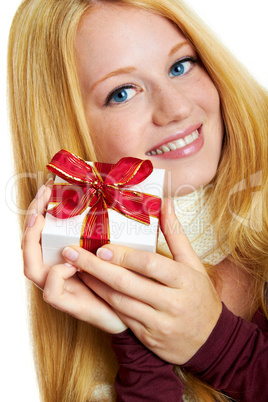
x: 60, y: 233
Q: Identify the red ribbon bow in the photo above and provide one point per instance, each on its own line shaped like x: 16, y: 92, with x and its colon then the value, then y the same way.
x: 100, y: 187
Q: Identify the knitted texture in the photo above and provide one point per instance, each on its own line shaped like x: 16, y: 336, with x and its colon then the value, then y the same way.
x: 194, y: 212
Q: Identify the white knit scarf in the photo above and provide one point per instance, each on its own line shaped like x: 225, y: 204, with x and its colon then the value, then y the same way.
x: 194, y: 213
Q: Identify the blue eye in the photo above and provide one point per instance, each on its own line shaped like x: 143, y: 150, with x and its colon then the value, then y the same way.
x: 121, y: 95
x: 181, y: 67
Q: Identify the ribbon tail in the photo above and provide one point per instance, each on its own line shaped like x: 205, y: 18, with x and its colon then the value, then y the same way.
x: 152, y: 205
x: 95, y: 231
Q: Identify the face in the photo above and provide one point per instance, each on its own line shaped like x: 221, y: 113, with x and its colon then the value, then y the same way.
x: 146, y: 95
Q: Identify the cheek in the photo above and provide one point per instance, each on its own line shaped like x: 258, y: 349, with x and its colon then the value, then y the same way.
x: 209, y: 98
x: 111, y: 138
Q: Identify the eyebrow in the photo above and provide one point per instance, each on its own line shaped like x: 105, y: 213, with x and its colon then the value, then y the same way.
x: 119, y: 71
x: 177, y: 47
x: 130, y: 69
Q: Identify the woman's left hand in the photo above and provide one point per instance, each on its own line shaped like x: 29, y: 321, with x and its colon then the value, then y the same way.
x: 170, y: 305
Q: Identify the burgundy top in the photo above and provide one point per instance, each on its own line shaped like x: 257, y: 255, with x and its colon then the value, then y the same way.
x: 234, y: 360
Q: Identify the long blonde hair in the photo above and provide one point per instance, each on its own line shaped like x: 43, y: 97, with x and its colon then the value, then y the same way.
x: 73, y: 359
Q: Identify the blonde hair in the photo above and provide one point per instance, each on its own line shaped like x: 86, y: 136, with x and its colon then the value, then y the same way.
x: 72, y: 358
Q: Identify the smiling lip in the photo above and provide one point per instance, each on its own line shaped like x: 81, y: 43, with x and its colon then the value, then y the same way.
x: 180, y: 145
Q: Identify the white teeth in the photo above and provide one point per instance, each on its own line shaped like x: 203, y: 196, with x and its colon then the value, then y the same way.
x: 180, y: 143
x: 177, y: 144
x: 195, y: 134
x: 165, y: 149
x: 172, y: 146
x: 189, y: 139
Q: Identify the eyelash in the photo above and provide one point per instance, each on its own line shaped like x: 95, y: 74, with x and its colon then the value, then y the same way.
x: 131, y: 86
x: 114, y: 91
x: 190, y: 59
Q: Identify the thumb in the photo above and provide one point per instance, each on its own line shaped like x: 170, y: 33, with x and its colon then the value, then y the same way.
x: 178, y: 243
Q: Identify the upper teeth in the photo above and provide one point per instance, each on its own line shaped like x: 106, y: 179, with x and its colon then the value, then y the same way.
x: 171, y: 146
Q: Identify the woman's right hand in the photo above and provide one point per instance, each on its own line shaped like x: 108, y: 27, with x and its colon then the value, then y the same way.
x: 61, y: 286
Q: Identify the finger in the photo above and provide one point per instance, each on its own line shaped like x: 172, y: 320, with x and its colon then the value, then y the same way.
x: 39, y: 203
x: 117, y: 277
x: 176, y: 239
x: 66, y: 292
x: 54, y: 290
x: 121, y: 303
x: 34, y: 269
x: 151, y: 265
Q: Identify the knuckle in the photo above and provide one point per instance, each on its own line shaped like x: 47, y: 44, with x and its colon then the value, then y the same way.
x: 28, y: 273
x: 167, y: 328
x: 123, y: 258
x: 122, y: 282
x: 53, y: 277
x: 84, y: 260
x: 174, y: 306
x: 50, y: 298
x: 146, y: 337
x: 114, y: 299
x: 47, y: 295
x: 149, y: 263
x: 55, y: 273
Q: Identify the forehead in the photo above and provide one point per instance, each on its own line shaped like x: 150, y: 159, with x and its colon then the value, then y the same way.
x: 112, y: 37
x: 99, y: 15
x: 108, y: 27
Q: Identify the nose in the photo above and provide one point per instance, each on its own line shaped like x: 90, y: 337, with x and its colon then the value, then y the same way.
x: 170, y: 104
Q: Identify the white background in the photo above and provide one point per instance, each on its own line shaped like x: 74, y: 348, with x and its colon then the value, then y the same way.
x: 242, y: 26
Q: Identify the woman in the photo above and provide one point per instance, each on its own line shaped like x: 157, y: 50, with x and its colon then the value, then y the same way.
x: 83, y: 77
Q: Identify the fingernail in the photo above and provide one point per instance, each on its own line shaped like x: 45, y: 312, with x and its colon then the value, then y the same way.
x: 32, y: 220
x: 69, y: 265
x: 70, y: 254
x: 49, y: 181
x: 104, y: 254
x: 40, y: 191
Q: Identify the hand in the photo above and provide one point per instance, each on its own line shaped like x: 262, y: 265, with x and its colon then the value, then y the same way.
x: 62, y: 288
x: 172, y: 315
